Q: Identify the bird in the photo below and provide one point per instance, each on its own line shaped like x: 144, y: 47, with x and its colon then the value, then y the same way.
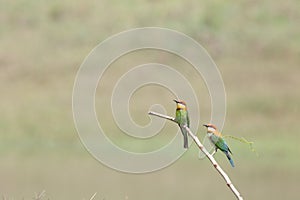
x: 218, y: 141
x: 182, y: 119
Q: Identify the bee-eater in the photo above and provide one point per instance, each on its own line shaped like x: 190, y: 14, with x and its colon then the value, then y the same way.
x: 182, y: 119
x: 216, y: 138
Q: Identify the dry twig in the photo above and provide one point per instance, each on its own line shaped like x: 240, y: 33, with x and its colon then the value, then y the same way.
x: 39, y: 196
x: 92, y: 197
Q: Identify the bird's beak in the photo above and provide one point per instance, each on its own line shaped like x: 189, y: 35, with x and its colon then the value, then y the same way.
x: 205, y: 125
x: 175, y: 101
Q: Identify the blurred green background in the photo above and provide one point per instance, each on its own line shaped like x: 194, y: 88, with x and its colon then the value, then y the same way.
x: 256, y: 45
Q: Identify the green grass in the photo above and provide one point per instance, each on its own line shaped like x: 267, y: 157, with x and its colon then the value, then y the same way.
x: 256, y: 46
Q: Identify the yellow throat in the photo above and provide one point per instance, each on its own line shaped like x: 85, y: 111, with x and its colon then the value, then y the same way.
x: 181, y: 106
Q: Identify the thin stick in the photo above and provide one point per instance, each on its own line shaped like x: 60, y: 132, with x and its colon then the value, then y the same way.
x: 93, y: 196
x: 162, y: 116
x: 39, y: 196
x: 209, y: 156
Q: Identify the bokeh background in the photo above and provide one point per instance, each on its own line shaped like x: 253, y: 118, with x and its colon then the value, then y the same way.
x: 256, y: 45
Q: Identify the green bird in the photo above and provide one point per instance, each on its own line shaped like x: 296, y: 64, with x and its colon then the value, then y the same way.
x: 216, y: 138
x: 182, y: 119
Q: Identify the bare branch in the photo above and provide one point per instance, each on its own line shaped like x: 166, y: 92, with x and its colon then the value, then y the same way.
x: 93, y: 196
x: 39, y: 196
x: 209, y: 156
x: 162, y: 116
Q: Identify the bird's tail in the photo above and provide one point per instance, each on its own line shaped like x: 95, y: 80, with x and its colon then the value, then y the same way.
x: 230, y: 159
x: 185, y: 141
x: 185, y: 138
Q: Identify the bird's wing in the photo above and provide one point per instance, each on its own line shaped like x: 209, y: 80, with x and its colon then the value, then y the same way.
x: 221, y: 144
x: 214, y: 139
x: 188, y: 119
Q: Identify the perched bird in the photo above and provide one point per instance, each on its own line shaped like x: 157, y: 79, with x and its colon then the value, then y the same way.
x: 216, y: 138
x: 182, y: 118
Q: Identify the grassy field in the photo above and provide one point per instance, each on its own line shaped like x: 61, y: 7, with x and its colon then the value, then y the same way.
x: 255, y: 44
